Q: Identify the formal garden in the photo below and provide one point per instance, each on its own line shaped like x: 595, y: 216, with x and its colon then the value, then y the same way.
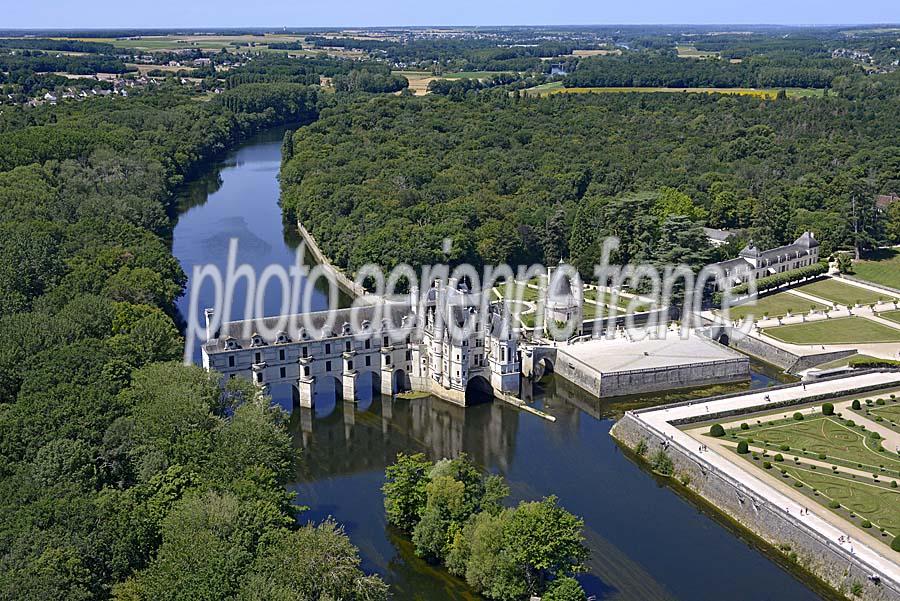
x: 831, y: 460
x: 775, y: 305
x: 832, y: 439
x: 842, y: 293
x: 843, y: 330
x: 885, y: 411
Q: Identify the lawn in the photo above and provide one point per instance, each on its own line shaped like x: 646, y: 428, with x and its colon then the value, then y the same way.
x: 889, y: 414
x: 775, y: 305
x: 870, y: 501
x: 840, y: 443
x: 891, y: 315
x: 842, y: 293
x: 881, y: 267
x: 622, y: 302
x: 845, y: 330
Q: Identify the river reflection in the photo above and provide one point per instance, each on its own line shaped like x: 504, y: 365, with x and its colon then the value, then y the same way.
x: 646, y: 542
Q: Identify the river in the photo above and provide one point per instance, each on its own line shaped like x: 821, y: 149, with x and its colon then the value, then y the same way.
x: 647, y: 542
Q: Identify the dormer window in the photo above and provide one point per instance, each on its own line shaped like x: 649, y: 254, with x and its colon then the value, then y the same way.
x: 230, y: 344
x: 282, y: 338
x: 256, y: 340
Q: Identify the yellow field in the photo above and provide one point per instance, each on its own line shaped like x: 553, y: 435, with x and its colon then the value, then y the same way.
x: 600, y: 52
x: 556, y: 87
x: 418, y: 80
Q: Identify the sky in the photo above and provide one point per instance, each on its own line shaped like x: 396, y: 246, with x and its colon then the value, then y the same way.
x: 66, y: 14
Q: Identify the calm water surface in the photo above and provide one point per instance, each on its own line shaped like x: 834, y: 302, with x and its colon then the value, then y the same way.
x: 647, y: 542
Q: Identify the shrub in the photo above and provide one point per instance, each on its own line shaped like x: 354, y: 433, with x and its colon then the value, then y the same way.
x: 855, y: 405
x: 744, y: 426
x: 779, y: 457
x: 767, y: 465
x: 662, y: 463
x: 717, y: 430
x: 879, y: 402
x: 743, y: 448
x: 827, y: 409
x: 798, y: 416
x: 895, y: 544
x: 822, y: 456
x: 866, y: 524
x: 641, y: 448
x: 834, y: 505
x: 785, y: 447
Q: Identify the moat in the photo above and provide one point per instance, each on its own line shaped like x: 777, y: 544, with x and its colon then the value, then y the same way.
x: 647, y: 542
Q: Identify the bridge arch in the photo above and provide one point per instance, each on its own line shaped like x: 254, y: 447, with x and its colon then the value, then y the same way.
x: 544, y: 367
x: 478, y: 390
x: 368, y: 388
x: 400, y: 381
x: 328, y: 393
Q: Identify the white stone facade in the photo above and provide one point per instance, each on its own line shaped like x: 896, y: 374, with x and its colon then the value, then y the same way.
x: 415, y: 346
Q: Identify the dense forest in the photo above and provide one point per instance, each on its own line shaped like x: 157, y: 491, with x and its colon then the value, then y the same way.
x: 509, y: 178
x: 124, y: 474
x: 666, y: 69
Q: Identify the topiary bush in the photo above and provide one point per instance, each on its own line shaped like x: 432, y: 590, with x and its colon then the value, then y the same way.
x: 717, y: 430
x: 743, y: 448
x: 744, y: 426
x: 827, y: 409
x: 895, y: 544
x: 866, y: 524
x: 856, y: 405
x: 798, y: 416
x: 778, y: 457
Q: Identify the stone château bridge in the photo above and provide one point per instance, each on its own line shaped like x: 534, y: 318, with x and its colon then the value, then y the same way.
x: 442, y: 344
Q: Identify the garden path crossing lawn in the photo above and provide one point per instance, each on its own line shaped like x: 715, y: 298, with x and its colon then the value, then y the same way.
x: 844, y: 330
x: 775, y: 305
x: 891, y: 315
x: 843, y: 293
x: 876, y: 503
x: 889, y: 413
x: 841, y: 444
x: 881, y: 267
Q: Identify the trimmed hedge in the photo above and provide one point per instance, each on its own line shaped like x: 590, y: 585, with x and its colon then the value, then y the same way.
x: 827, y: 409
x: 717, y: 430
x: 743, y: 448
x: 776, y: 281
x: 895, y: 544
x: 863, y: 362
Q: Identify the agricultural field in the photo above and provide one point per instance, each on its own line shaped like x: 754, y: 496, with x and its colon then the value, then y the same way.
x: 845, y: 330
x: 842, y: 293
x: 881, y: 267
x: 556, y: 87
x: 419, y: 80
x: 691, y: 52
x: 775, y: 305
x: 829, y: 439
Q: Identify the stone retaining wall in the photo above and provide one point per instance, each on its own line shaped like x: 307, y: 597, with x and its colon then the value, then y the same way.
x: 820, y: 556
x: 344, y: 282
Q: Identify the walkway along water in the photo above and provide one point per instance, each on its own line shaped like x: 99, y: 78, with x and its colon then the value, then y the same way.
x: 647, y: 544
